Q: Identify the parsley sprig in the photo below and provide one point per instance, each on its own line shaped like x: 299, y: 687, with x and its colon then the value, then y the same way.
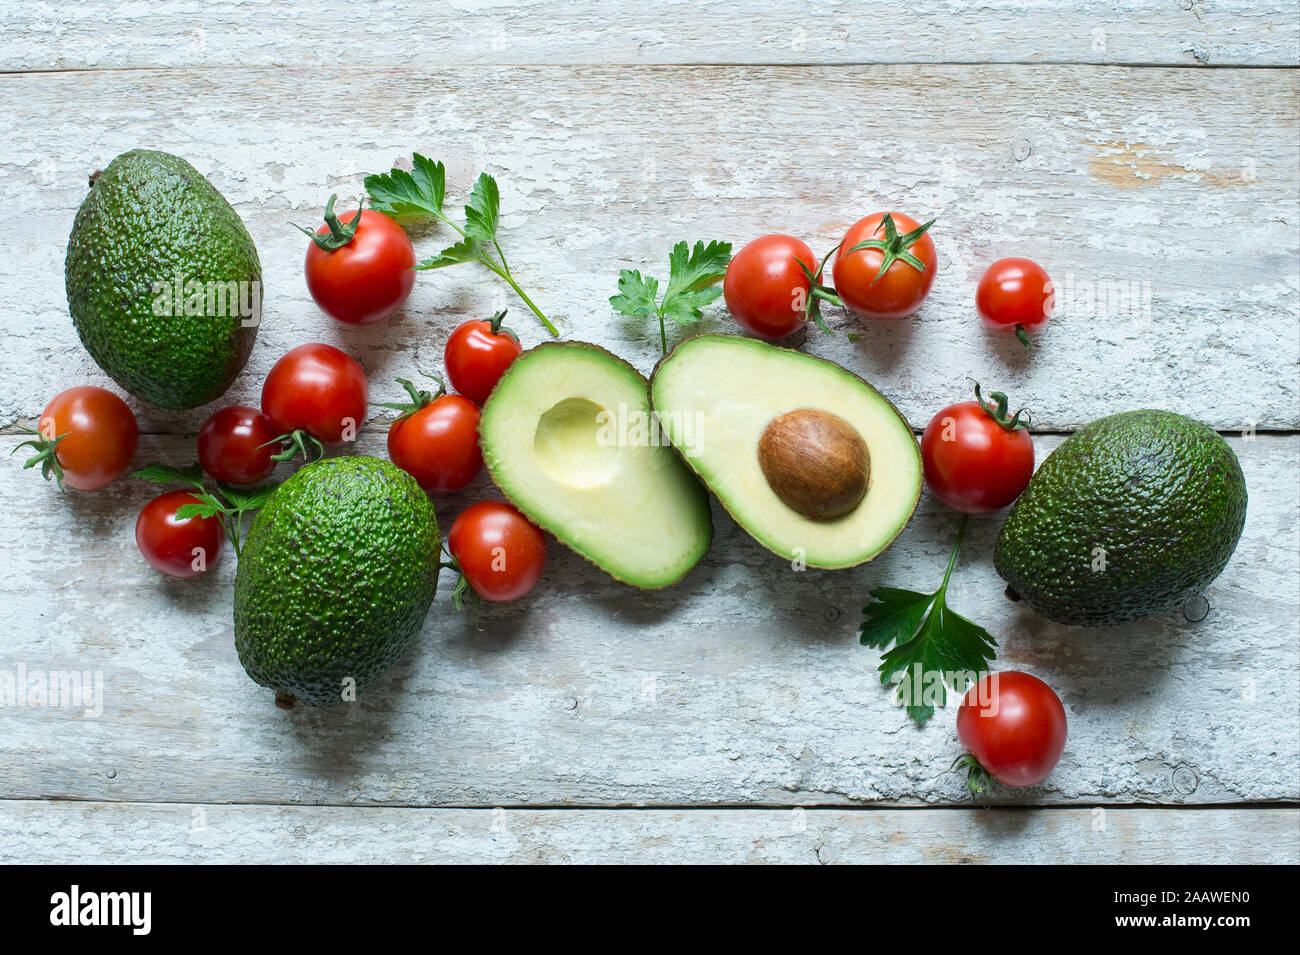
x: 229, y: 507
x: 932, y: 644
x: 691, y: 277
x: 420, y: 194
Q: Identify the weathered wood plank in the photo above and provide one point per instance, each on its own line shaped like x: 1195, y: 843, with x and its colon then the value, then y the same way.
x: 79, y: 833
x: 174, y: 33
x: 1177, y: 184
x: 743, y: 685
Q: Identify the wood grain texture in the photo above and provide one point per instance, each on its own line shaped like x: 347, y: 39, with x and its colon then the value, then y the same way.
x: 175, y: 33
x: 1140, y: 186
x: 743, y: 685
x: 185, y: 833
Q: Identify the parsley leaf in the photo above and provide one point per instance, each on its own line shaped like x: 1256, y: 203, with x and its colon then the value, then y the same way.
x: 636, y: 295
x: 483, y: 211
x: 692, y: 273
x: 893, y: 618
x: 419, y: 194
x: 191, y: 476
x: 466, y: 250
x: 935, y: 649
x: 409, y: 195
x: 210, y: 507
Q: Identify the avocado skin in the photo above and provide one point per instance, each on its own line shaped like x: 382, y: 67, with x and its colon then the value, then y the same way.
x: 1163, y: 494
x: 149, y: 217
x: 335, y: 578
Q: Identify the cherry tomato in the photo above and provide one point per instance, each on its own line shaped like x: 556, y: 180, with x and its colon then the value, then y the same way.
x: 977, y: 460
x: 318, y: 389
x: 903, y: 287
x: 233, y: 445
x: 766, y: 291
x: 1015, y: 294
x: 179, y: 547
x: 438, y: 444
x: 499, y: 551
x: 87, y: 438
x: 1014, y: 726
x: 478, y: 354
x: 360, y: 275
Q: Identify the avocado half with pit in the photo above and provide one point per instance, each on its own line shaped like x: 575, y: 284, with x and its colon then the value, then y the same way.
x: 568, y: 436
x: 808, y: 458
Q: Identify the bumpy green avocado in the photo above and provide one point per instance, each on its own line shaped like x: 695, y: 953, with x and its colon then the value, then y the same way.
x: 163, y: 281
x: 335, y: 578
x: 1129, y: 517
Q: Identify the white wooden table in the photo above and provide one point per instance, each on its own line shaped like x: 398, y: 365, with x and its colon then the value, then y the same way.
x: 1149, y: 147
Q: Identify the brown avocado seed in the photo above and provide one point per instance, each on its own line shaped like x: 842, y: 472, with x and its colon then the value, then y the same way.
x: 815, y: 461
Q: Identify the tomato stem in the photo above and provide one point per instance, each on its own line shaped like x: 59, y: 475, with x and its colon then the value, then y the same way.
x: 339, y: 234
x: 295, y: 443
x: 1023, y: 335
x: 46, y: 454
x: 894, y: 246
x: 978, y: 780
x: 998, y: 411
x: 419, y: 399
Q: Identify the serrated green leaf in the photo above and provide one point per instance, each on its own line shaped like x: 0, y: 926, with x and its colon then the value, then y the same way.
x: 892, y: 617
x: 244, y: 498
x: 686, y: 307
x: 692, y: 269
x: 483, y: 210
x: 160, y: 473
x: 945, y: 644
x: 466, y: 250
x: 206, y: 506
x: 636, y: 295
x: 409, y: 195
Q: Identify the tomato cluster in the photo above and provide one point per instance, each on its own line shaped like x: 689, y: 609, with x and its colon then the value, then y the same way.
x: 884, y: 268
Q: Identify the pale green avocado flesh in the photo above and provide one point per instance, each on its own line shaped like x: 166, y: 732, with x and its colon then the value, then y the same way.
x: 566, y: 435
x: 716, y: 394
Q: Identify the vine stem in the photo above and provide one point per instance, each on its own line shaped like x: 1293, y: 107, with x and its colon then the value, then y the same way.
x: 952, y: 560
x: 505, y: 276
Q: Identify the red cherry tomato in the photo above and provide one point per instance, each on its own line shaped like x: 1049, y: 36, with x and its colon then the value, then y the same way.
x: 233, y: 445
x: 902, y: 288
x: 87, y: 438
x: 318, y: 389
x: 1015, y: 294
x: 438, y: 444
x: 478, y: 354
x: 1014, y: 726
x: 360, y: 276
x: 179, y: 547
x: 973, y: 463
x: 765, y: 290
x: 499, y: 551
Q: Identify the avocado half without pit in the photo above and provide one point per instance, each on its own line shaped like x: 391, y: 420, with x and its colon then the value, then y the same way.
x: 809, y: 459
x: 567, y: 435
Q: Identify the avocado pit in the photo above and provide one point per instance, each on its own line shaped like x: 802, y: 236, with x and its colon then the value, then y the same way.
x: 815, y: 462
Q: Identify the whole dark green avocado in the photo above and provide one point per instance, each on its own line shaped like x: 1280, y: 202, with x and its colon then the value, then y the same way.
x: 335, y: 578
x: 1129, y: 517
x: 152, y: 225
